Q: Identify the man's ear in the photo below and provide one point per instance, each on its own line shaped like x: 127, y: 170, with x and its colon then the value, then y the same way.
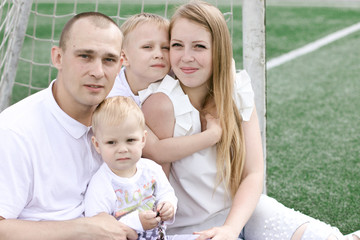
x: 56, y: 57
x: 96, y: 144
x: 125, y: 61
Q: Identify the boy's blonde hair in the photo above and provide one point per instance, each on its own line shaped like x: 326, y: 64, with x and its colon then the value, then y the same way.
x: 113, y: 111
x: 231, y: 147
x: 132, y: 22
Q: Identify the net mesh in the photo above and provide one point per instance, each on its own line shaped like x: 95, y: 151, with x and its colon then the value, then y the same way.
x: 46, y: 20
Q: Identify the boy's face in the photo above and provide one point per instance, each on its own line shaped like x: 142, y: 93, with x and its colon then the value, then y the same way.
x: 120, y: 145
x: 146, y: 55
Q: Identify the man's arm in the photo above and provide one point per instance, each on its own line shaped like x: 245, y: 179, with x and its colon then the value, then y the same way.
x: 101, y: 226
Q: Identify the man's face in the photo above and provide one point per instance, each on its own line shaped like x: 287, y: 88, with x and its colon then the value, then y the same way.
x: 88, y: 66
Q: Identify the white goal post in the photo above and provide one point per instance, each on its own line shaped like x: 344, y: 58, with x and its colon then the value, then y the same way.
x: 254, y: 57
x: 22, y: 66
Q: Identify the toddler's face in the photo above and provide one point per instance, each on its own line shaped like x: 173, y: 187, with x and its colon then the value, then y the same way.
x: 146, y: 54
x: 120, y: 145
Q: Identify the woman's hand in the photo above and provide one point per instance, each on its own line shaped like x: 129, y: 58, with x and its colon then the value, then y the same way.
x: 218, y: 233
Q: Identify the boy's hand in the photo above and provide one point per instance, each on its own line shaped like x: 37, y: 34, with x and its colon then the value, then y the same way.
x: 213, y: 124
x: 148, y: 219
x: 165, y: 210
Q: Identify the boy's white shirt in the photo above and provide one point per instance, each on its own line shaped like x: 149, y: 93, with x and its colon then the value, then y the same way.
x: 122, y: 88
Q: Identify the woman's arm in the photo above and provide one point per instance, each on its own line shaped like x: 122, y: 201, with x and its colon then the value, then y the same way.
x: 101, y: 226
x: 250, y: 189
x: 161, y: 146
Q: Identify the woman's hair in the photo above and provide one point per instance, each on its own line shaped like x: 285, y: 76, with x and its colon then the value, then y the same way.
x: 112, y: 111
x: 132, y: 22
x: 231, y: 147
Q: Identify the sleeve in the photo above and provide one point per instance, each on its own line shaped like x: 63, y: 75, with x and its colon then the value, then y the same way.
x: 132, y: 220
x: 244, y: 94
x: 100, y: 196
x: 16, y: 174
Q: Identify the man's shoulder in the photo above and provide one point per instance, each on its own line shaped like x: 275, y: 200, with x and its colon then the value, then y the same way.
x: 25, y: 112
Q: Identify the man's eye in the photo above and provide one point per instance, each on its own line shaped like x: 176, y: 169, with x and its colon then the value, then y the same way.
x: 84, y: 56
x: 166, y: 48
x: 147, y: 46
x: 110, y: 60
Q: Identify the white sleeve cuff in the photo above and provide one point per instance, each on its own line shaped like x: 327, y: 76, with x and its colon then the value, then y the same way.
x: 132, y: 220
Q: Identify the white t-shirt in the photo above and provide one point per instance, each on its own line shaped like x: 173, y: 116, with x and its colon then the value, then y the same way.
x: 193, y: 177
x: 46, y: 159
x: 124, y: 198
x: 121, y: 87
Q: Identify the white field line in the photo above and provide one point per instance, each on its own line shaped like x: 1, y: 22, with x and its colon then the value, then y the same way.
x: 312, y: 46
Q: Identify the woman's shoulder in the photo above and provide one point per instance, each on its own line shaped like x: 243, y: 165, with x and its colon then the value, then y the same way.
x: 158, y: 105
x: 244, y: 94
x: 168, y: 86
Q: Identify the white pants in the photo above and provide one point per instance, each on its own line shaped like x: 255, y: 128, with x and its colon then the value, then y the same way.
x: 273, y: 221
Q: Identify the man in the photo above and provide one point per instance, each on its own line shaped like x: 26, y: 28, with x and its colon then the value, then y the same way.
x: 46, y: 156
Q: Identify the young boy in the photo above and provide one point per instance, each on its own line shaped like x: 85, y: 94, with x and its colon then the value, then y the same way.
x: 133, y: 189
x: 145, y: 54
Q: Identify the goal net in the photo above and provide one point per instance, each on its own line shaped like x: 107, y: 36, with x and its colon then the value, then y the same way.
x: 30, y: 27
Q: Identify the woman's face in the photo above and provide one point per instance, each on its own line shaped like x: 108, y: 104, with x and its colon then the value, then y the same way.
x: 191, y: 53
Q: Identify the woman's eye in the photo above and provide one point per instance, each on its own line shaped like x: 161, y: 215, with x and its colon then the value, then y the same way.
x: 200, y: 46
x: 176, y: 45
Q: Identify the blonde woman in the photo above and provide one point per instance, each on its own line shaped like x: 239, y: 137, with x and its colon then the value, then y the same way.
x: 219, y: 188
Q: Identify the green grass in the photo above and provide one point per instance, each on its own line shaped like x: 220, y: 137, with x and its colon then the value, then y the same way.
x: 288, y: 28
x: 313, y: 144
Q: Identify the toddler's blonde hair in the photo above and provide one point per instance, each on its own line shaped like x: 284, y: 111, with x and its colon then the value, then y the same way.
x: 113, y: 111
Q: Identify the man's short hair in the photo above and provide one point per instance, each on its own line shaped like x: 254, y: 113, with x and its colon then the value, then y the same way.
x: 98, y: 19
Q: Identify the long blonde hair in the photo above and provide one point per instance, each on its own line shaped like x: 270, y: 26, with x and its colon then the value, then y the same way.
x: 231, y: 147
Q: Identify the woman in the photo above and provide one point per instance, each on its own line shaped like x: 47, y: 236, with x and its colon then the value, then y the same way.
x: 219, y: 188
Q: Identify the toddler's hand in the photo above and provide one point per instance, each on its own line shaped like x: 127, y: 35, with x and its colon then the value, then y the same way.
x: 148, y: 219
x: 165, y: 210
